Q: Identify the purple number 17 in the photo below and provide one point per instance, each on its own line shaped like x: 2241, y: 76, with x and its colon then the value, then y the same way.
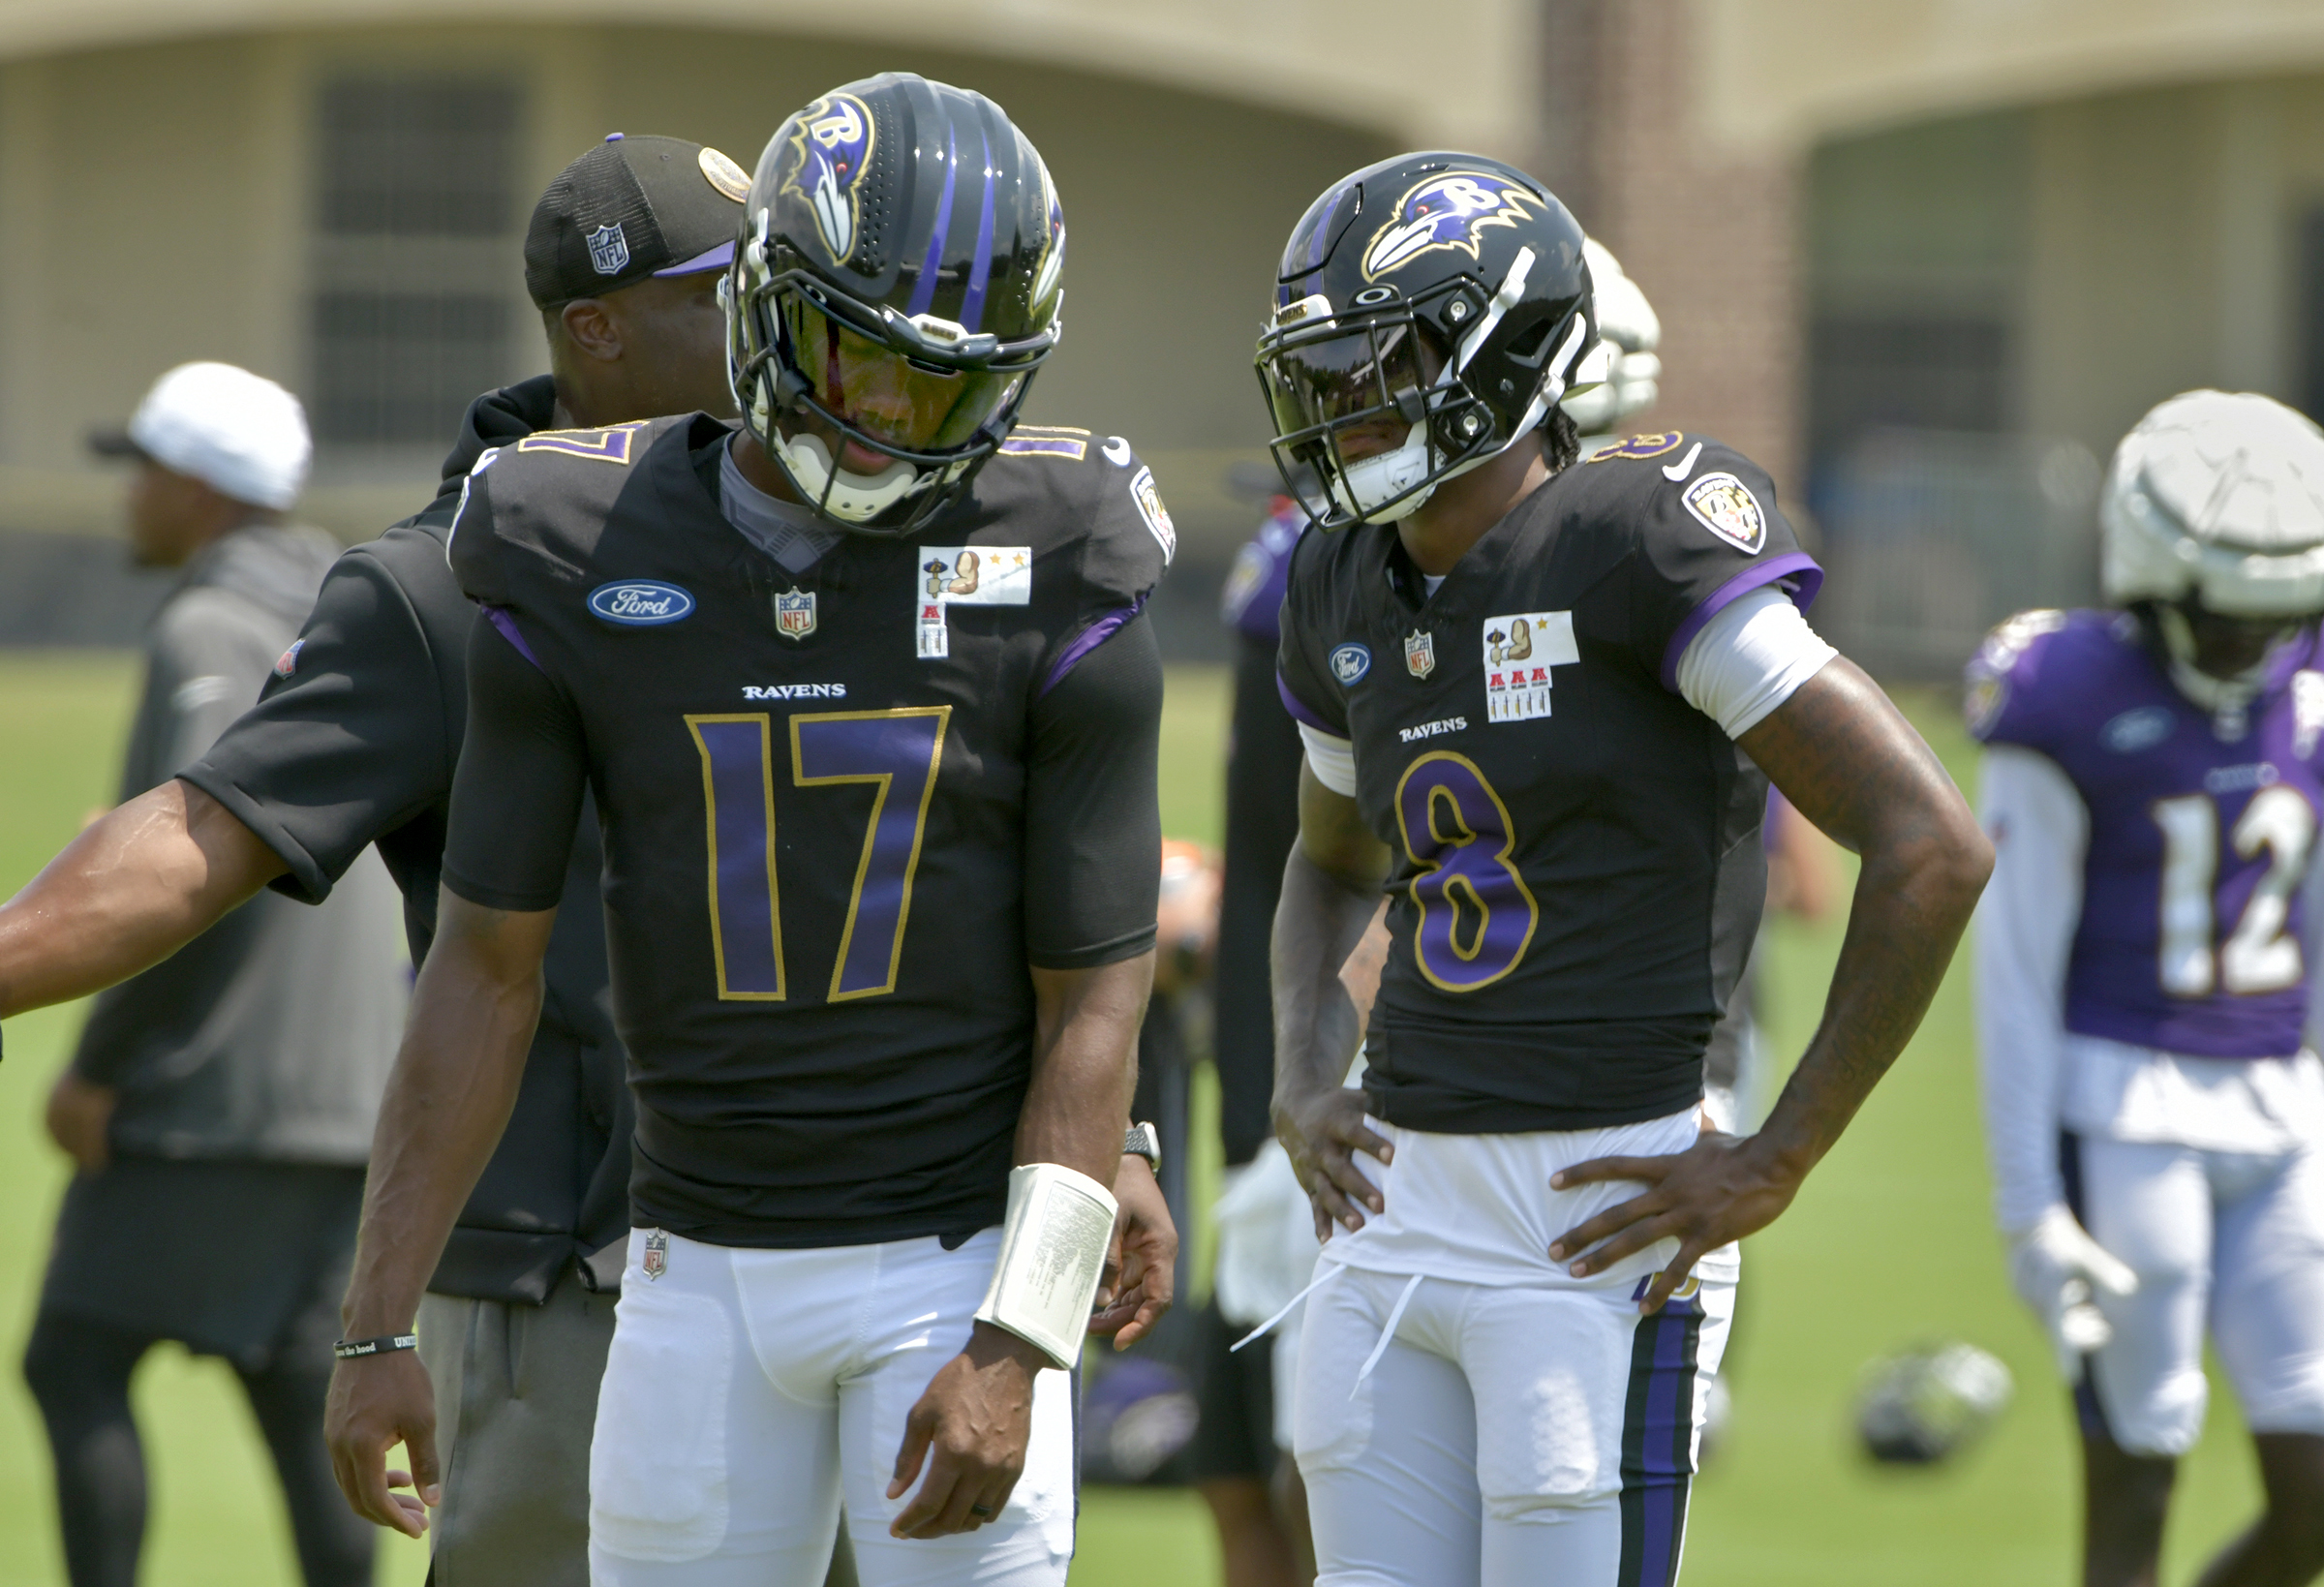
x: 896, y: 753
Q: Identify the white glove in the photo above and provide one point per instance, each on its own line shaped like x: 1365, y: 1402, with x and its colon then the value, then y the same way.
x: 2059, y: 1270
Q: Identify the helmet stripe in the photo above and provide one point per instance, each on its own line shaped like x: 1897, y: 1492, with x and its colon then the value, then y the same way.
x: 924, y: 290
x: 980, y: 264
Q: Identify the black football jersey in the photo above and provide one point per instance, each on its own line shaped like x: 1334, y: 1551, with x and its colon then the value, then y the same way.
x: 1576, y: 864
x: 842, y: 811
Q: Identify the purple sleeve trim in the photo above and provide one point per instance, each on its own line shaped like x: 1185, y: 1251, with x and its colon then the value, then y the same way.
x: 505, y: 620
x: 1299, y: 711
x: 1797, y: 566
x: 1088, y: 639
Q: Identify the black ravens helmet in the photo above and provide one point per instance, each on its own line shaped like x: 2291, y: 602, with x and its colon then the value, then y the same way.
x: 1430, y: 310
x: 896, y: 287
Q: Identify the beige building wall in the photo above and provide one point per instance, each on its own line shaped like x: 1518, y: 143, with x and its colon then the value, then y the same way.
x: 164, y: 198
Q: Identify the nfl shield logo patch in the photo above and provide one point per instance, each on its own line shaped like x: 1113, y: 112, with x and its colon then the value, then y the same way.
x: 608, y: 250
x: 795, y: 613
x: 1420, y: 653
x: 657, y: 1259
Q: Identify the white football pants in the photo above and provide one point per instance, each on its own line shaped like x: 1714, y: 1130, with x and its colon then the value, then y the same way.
x: 1506, y: 1437
x: 747, y: 1390
x: 2231, y: 1239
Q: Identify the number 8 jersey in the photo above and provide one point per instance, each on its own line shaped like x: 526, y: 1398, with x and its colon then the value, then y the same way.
x: 1576, y: 872
x: 2199, y: 829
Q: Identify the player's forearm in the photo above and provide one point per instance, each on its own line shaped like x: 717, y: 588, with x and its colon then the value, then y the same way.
x: 1085, y: 1065
x: 1841, y: 753
x: 448, y: 1100
x: 1319, y: 921
x: 139, y: 884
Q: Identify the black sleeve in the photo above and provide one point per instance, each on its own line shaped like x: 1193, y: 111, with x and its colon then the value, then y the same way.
x: 352, y: 743
x: 1092, y: 812
x: 516, y: 796
x: 1306, y: 692
x: 1704, y: 542
x: 1263, y: 818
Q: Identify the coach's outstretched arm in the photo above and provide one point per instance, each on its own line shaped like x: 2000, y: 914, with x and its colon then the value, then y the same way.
x: 139, y: 882
x: 1843, y: 754
x: 449, y: 1098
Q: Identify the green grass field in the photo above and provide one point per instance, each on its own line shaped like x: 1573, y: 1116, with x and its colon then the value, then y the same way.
x: 1887, y: 1245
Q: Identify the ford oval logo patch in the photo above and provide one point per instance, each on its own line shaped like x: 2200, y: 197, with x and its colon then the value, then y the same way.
x: 640, y: 603
x: 1349, y: 663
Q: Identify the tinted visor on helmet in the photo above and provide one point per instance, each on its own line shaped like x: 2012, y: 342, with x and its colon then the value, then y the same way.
x: 1350, y: 396
x: 904, y: 408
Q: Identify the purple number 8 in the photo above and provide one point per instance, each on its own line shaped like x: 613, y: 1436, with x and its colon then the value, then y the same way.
x: 1476, y: 915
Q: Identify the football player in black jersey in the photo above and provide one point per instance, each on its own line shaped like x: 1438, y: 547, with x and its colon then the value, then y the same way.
x: 869, y: 708
x: 1541, y: 700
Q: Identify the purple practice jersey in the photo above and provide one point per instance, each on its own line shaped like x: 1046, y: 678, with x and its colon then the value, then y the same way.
x: 1252, y: 602
x: 2200, y: 831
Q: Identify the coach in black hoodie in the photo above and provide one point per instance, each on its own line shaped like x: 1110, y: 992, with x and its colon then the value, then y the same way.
x: 354, y: 744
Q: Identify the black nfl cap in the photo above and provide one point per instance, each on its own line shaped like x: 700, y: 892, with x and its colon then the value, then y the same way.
x: 630, y: 208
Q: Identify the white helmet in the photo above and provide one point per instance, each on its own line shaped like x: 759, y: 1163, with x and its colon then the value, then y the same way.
x: 2217, y: 494
x: 1623, y: 363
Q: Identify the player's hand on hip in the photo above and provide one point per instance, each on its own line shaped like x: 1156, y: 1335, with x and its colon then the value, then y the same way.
x: 970, y: 1430
x: 2060, y: 1272
x: 376, y: 1403
x: 1717, y: 1190
x: 1142, y: 1262
x: 1322, y: 1133
x: 81, y: 1112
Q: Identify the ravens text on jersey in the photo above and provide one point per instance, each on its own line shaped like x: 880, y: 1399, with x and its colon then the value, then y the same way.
x: 844, y: 811
x: 1576, y: 875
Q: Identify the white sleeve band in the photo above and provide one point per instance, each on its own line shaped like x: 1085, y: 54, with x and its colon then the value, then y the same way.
x: 1332, y: 759
x: 1053, y: 1252
x: 1748, y: 659
x: 2025, y: 935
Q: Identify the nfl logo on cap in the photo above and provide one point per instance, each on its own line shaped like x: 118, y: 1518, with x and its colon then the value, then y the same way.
x: 795, y: 613
x: 608, y: 249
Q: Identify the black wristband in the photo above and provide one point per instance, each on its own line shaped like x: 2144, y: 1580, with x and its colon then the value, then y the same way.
x: 347, y: 1349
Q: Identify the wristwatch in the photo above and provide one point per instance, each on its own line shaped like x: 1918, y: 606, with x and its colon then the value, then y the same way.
x: 1143, y: 1140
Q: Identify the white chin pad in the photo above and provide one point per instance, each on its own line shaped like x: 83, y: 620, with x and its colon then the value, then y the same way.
x: 1362, y: 486
x: 1053, y: 1252
x: 856, y: 498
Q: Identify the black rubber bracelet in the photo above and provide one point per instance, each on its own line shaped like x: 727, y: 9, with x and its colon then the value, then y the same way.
x: 347, y: 1349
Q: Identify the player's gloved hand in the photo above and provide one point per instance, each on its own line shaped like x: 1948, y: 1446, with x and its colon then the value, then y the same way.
x: 970, y: 1430
x: 1322, y: 1132
x: 2059, y: 1270
x: 376, y: 1403
x: 1142, y: 1262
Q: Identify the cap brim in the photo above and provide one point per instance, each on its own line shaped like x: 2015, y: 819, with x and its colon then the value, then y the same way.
x: 114, y: 442
x: 716, y: 258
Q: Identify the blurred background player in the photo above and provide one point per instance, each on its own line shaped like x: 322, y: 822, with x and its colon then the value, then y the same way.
x: 2155, y: 1117
x: 1241, y: 1458
x: 220, y: 1104
x: 355, y: 741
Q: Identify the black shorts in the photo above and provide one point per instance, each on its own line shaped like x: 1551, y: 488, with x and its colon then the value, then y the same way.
x: 234, y: 1259
x: 1235, y: 1437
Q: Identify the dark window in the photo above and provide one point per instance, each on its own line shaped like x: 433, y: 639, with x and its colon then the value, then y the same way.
x: 1869, y: 372
x: 416, y: 255
x: 2312, y: 300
